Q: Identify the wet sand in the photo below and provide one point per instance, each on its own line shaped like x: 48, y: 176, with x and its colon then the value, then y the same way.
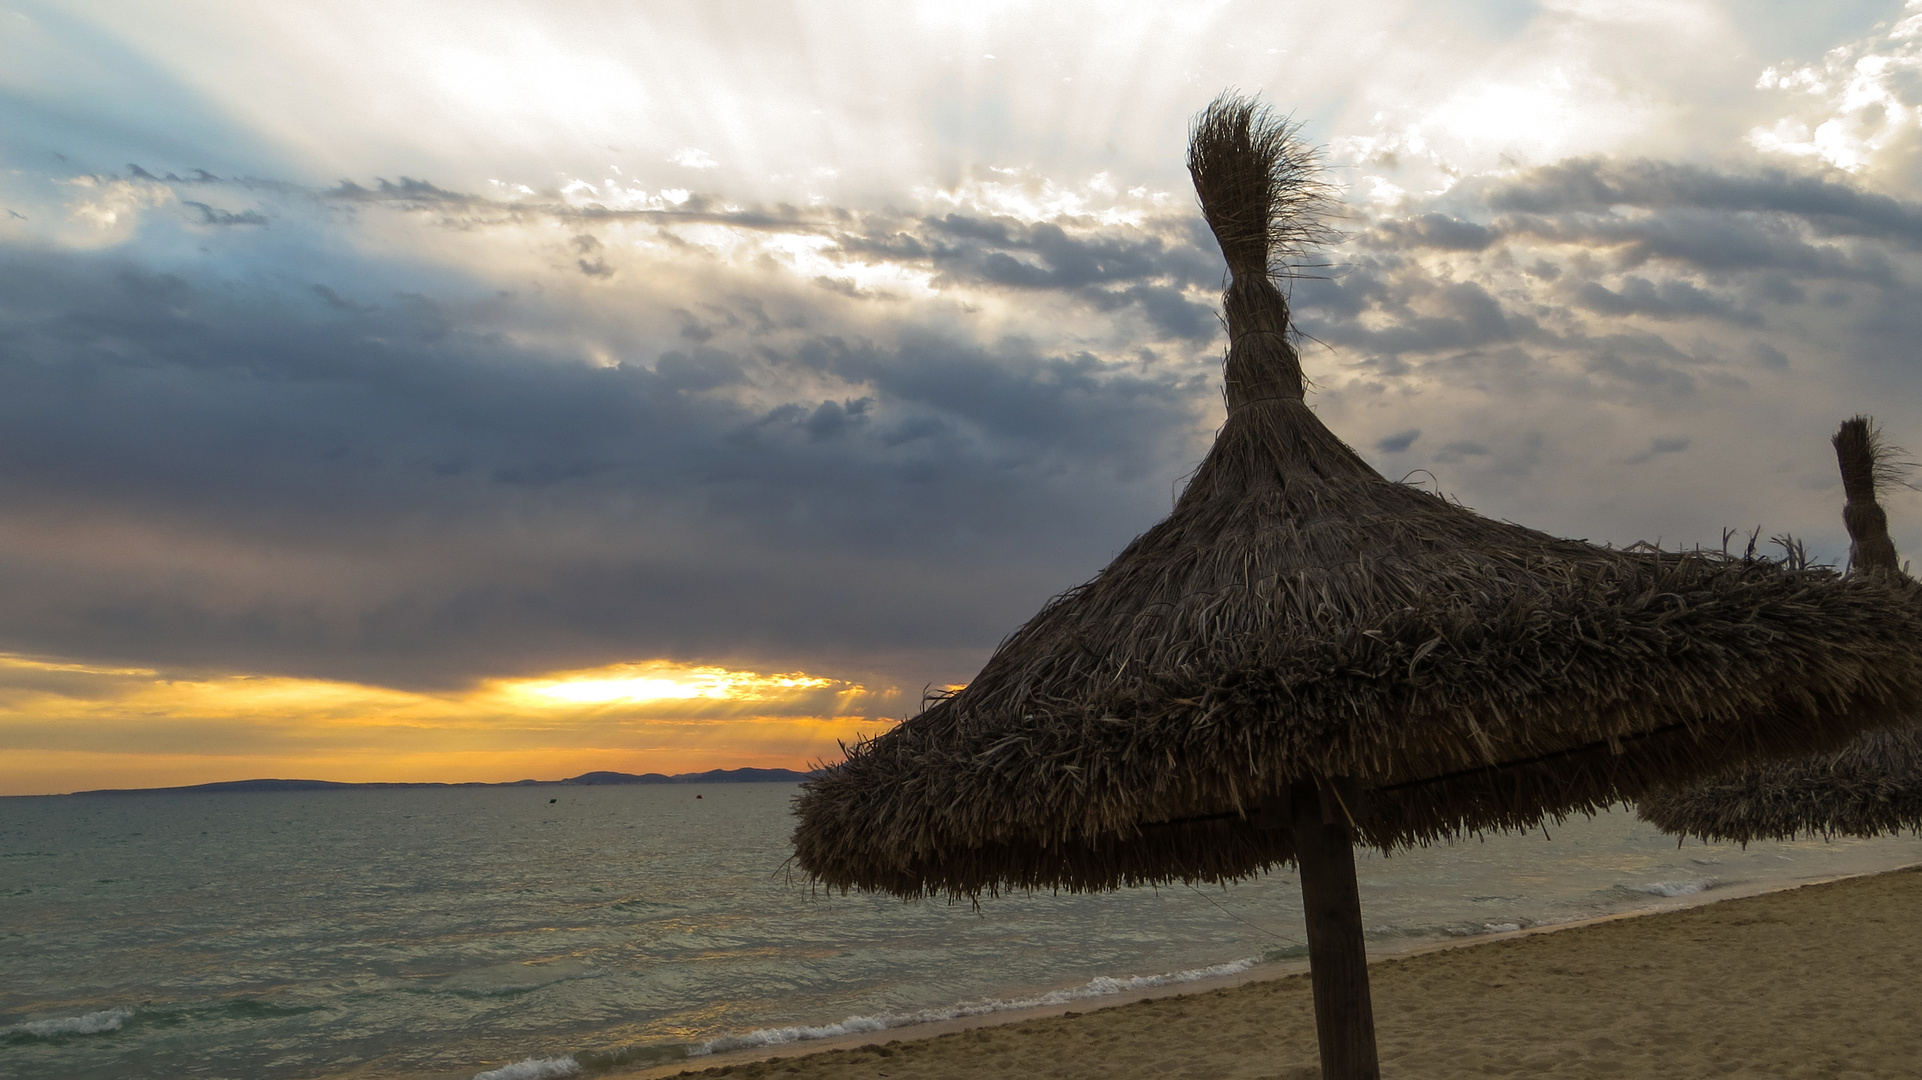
x: 1820, y: 981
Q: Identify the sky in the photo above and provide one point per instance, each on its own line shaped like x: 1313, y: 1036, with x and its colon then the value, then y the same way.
x: 420, y: 391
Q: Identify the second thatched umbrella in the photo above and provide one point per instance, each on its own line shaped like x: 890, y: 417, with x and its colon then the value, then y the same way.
x: 1872, y: 786
x: 1304, y: 655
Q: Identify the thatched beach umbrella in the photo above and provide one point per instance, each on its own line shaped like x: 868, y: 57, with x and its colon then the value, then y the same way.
x: 1870, y: 787
x: 1304, y: 655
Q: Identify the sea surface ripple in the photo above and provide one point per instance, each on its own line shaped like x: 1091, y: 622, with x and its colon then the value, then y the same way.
x: 488, y: 931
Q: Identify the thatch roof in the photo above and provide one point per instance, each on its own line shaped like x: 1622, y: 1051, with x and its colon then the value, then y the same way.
x: 1871, y: 786
x: 1298, y: 617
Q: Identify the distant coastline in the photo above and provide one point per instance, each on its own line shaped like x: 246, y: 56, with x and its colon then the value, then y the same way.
x: 587, y: 779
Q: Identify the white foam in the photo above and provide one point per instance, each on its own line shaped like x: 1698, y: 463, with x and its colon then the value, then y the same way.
x: 1102, y: 986
x: 1501, y: 927
x: 1672, y: 888
x: 533, y: 1069
x: 92, y: 1023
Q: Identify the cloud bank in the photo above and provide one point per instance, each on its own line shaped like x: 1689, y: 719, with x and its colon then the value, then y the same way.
x: 465, y: 420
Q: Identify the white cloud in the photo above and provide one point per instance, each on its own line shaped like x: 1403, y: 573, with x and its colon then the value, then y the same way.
x: 107, y: 210
x: 1859, y: 108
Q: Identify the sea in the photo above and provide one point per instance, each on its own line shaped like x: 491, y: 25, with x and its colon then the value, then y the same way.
x: 521, y: 933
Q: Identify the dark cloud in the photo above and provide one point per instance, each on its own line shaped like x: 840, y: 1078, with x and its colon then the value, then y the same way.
x: 703, y: 369
x: 1833, y: 207
x: 213, y: 216
x: 406, y: 191
x: 1149, y: 269
x: 1768, y: 355
x: 1061, y: 260
x: 1765, y: 223
x: 1438, y: 231
x: 1642, y: 284
x: 1709, y: 240
x: 825, y: 421
x: 340, y: 303
x: 1166, y: 308
x: 419, y: 485
x: 1398, y: 442
x: 1644, y: 364
x: 1667, y: 299
x: 1420, y: 314
x: 400, y: 492
x: 1673, y: 444
x: 591, y: 263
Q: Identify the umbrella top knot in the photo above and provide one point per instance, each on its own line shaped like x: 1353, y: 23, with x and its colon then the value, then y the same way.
x: 1867, y: 462
x: 1261, y: 193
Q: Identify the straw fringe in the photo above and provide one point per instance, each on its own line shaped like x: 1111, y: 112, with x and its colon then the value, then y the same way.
x: 1871, y: 788
x: 1169, y: 725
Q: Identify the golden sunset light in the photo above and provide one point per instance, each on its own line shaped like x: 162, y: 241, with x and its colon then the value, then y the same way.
x: 72, y: 723
x: 638, y: 683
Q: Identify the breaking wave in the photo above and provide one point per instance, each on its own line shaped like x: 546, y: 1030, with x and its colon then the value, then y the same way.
x: 1103, y: 986
x: 1688, y: 887
x: 533, y: 1069
x: 93, y: 1023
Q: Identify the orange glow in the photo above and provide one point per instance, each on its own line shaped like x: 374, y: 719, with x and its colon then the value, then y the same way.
x: 660, y: 682
x: 67, y: 726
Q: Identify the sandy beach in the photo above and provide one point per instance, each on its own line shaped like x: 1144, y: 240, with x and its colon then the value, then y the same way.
x: 1818, y: 981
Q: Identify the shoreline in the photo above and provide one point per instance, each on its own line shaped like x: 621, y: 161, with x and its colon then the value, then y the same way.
x: 920, y: 1037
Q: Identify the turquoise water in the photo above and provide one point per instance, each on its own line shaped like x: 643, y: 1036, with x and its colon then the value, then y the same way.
x: 454, y: 932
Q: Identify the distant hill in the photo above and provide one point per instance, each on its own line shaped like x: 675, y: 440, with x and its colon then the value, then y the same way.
x: 712, y: 776
x: 589, y: 779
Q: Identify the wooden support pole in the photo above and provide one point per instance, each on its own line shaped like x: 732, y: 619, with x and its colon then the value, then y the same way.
x: 1337, y: 958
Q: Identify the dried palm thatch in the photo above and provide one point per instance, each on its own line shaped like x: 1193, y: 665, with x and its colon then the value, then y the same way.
x: 1300, y: 619
x: 1870, y: 787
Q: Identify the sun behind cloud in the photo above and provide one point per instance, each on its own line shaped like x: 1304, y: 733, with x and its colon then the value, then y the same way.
x: 635, y: 684
x: 72, y: 726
